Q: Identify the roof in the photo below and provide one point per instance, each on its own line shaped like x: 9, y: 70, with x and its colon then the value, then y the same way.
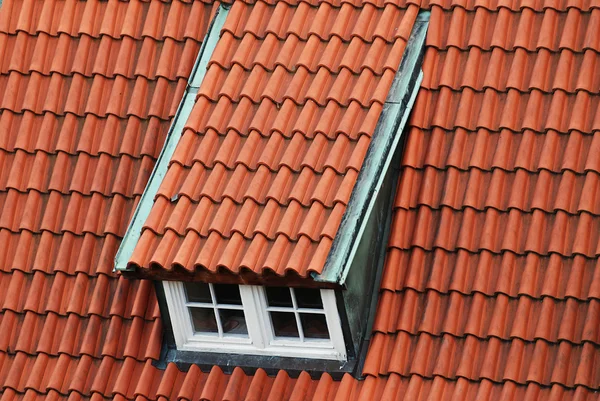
x: 269, y: 156
x: 491, y: 285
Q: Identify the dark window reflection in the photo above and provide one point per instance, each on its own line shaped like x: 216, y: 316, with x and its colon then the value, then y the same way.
x: 284, y: 324
x: 308, y: 298
x: 203, y: 320
x: 197, y: 292
x: 228, y: 294
x: 233, y: 322
x: 279, y: 296
x: 314, y: 325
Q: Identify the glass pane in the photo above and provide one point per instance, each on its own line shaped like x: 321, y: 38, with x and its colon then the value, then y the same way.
x: 197, y: 292
x: 308, y: 298
x: 203, y: 320
x: 284, y: 324
x: 228, y: 294
x: 279, y: 296
x: 233, y: 322
x: 314, y: 325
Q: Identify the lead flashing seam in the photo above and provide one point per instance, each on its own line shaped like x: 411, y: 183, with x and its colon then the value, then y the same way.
x: 384, y: 142
x: 142, y: 211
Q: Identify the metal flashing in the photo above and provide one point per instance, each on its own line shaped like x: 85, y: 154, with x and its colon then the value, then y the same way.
x: 380, y: 153
x: 184, y: 109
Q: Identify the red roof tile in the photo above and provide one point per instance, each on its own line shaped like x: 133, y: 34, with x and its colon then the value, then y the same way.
x: 263, y: 172
x: 491, y: 287
x: 493, y: 262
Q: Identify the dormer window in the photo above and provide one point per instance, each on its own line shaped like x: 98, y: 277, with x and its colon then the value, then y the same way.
x: 255, y: 320
x: 265, y: 221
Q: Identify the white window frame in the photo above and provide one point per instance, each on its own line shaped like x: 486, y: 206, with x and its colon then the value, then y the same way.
x: 261, y: 339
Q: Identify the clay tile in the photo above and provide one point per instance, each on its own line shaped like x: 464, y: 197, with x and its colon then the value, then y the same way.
x: 168, y: 381
x: 560, y: 242
x: 302, y: 386
x: 479, y: 35
x: 309, y: 57
x: 587, y: 370
x: 257, y: 386
x: 278, y: 390
x: 548, y: 31
x: 319, y: 257
x: 582, y: 112
x: 375, y: 353
x: 586, y: 238
x: 592, y: 36
x: 299, y: 258
x: 234, y: 385
x: 437, y: 357
x: 590, y: 328
x: 590, y: 194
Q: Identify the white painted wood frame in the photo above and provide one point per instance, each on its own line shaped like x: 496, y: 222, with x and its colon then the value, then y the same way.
x: 261, y: 339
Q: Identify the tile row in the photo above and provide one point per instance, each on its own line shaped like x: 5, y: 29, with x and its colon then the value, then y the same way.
x: 450, y: 5
x: 521, y: 70
x: 64, y: 252
x: 126, y: 380
x: 292, y: 53
x: 57, y: 213
x: 474, y: 359
x: 137, y: 19
x: 64, y: 295
x: 486, y: 317
x: 249, y: 219
x: 287, y: 118
x: 527, y: 29
x: 258, y: 255
x: 75, y: 135
x: 100, y: 96
x: 300, y: 86
x: 512, y: 110
x: 495, y: 5
x: 491, y: 274
x: 241, y: 185
x: 105, y: 175
x: 105, y: 56
x: 366, y: 22
x: 513, y: 231
x: 274, y: 152
x: 54, y: 335
x: 481, y: 149
x: 499, y: 190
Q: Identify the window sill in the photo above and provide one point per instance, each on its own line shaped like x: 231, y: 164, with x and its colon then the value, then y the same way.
x: 250, y: 363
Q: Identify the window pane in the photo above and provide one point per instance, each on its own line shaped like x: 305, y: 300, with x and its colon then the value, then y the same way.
x: 204, y: 320
x: 308, y: 298
x: 233, y: 322
x: 228, y: 294
x: 314, y: 325
x: 279, y: 296
x: 198, y: 292
x: 284, y: 324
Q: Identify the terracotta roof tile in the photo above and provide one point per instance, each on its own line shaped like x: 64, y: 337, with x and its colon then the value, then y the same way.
x: 492, y: 267
x: 491, y: 287
x: 264, y: 169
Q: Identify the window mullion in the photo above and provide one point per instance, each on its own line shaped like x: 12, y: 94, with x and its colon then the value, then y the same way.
x: 334, y: 325
x: 216, y: 309
x: 297, y: 315
x: 252, y: 311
